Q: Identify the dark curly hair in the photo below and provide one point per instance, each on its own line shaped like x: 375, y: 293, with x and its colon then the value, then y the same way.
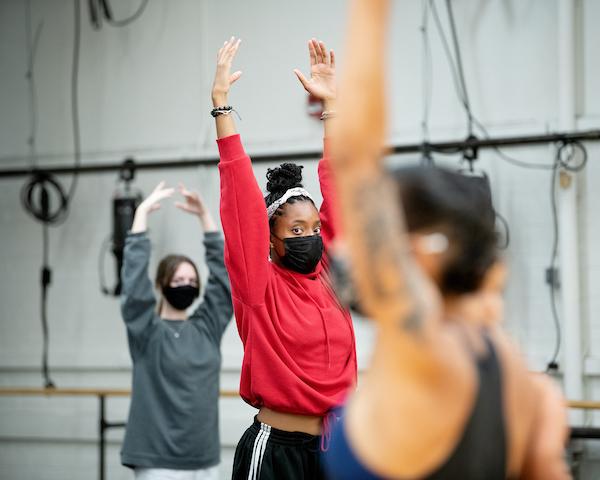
x: 280, y: 180
x: 460, y: 207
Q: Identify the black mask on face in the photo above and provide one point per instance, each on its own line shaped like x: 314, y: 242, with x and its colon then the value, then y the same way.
x: 182, y: 297
x: 302, y: 254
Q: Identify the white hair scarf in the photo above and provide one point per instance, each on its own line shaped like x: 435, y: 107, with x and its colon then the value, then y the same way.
x: 292, y: 192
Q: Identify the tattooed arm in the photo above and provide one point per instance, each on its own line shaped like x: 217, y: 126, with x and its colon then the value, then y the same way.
x: 391, y: 288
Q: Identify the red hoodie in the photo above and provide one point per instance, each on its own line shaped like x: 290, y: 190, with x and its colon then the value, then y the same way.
x: 299, y: 349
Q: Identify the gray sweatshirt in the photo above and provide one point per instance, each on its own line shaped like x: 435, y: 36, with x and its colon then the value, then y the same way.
x: 173, y: 417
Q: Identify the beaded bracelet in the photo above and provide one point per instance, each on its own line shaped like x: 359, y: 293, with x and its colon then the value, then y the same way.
x: 328, y: 114
x: 225, y: 110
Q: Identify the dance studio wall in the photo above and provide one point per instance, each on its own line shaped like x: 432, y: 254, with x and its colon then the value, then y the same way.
x: 144, y: 91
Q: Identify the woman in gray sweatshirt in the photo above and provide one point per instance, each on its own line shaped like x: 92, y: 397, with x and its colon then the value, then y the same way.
x: 172, y: 429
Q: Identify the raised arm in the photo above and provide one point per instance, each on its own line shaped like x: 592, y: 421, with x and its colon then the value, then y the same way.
x: 322, y: 84
x: 194, y: 205
x: 150, y: 204
x: 138, y: 303
x: 221, y: 85
x: 329, y: 212
x: 216, y: 308
x: 390, y: 287
x: 243, y: 210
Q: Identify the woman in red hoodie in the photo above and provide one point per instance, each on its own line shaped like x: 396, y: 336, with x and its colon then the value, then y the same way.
x: 299, y: 349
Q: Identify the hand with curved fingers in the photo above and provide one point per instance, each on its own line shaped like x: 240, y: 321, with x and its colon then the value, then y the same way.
x: 150, y: 204
x: 194, y: 204
x: 222, y: 83
x: 223, y: 76
x: 322, y: 83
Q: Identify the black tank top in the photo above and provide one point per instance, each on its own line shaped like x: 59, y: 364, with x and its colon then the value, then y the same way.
x: 481, y: 452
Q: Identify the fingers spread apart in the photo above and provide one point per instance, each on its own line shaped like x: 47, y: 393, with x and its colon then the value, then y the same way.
x: 317, y: 49
x: 318, y: 53
x: 324, y: 55
x: 312, y: 53
x: 302, y: 78
x: 228, y: 50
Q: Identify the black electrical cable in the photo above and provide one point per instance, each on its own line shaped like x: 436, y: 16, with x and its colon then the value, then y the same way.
x: 37, y: 200
x: 560, y: 162
x: 75, y: 99
x: 509, y: 159
x: 34, y: 193
x: 42, y: 180
x: 95, y: 19
x: 566, y: 163
x: 551, y: 276
x: 39, y: 185
x: 126, y: 21
x: 426, y: 71
x: 447, y: 52
x: 46, y: 279
x: 459, y: 68
x: 461, y: 92
x: 552, y: 272
x: 38, y: 192
x: 428, y: 149
x: 426, y: 152
x: 32, y: 47
x: 103, y: 8
x: 460, y: 88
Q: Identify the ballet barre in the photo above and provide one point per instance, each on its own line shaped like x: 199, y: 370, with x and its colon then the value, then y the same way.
x: 102, y: 395
x: 103, y: 424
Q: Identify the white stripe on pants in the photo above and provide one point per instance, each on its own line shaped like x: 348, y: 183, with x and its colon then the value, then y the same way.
x: 258, y: 452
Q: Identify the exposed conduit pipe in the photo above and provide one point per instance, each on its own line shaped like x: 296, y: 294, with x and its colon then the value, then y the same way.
x: 568, y: 212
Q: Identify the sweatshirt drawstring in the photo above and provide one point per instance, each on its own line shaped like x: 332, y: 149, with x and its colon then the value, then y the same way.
x: 328, y: 421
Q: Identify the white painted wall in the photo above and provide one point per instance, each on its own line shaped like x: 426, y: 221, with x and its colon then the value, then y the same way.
x: 144, y: 91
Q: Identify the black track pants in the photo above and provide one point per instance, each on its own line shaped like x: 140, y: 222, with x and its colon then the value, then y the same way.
x: 266, y: 453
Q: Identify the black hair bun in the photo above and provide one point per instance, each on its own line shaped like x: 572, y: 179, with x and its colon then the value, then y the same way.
x: 284, y: 177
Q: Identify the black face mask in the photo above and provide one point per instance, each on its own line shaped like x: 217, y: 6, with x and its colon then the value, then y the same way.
x: 182, y: 297
x: 302, y: 254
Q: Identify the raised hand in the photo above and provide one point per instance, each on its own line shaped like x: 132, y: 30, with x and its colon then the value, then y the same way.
x: 150, y: 204
x: 193, y: 202
x: 223, y: 76
x: 322, y: 72
x: 195, y: 205
x: 152, y: 201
